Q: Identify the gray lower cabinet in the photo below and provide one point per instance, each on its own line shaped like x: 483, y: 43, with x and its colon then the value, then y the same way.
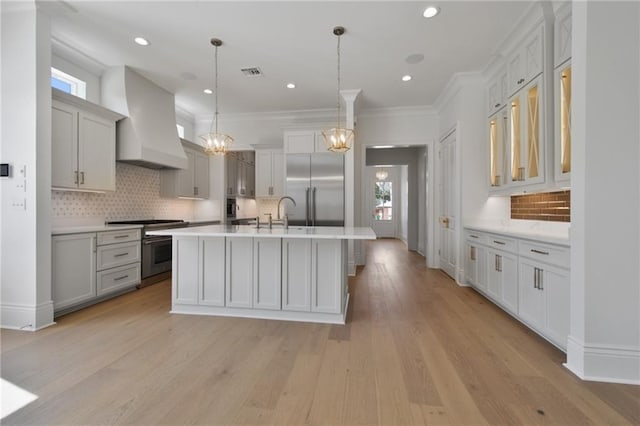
x: 90, y: 267
x: 73, y: 269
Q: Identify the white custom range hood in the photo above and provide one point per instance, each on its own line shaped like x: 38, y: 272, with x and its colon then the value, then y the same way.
x: 148, y: 136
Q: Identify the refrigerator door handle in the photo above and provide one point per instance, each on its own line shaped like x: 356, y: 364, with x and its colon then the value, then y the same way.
x: 307, y: 206
x: 313, y: 209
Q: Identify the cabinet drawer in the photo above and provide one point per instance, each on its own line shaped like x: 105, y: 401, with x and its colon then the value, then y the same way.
x: 117, y: 255
x: 115, y: 279
x: 475, y: 237
x: 502, y: 243
x: 112, y: 237
x: 554, y: 255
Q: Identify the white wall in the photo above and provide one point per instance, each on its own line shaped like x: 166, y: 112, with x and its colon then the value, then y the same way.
x: 25, y: 265
x: 604, y: 341
x: 404, y: 202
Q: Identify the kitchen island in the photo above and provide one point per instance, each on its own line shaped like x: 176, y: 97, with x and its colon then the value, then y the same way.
x: 295, y: 274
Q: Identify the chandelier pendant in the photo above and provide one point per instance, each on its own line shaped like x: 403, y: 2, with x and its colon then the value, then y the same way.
x: 216, y: 143
x: 338, y: 139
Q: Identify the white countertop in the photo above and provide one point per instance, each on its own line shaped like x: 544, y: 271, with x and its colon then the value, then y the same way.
x: 530, y: 234
x: 320, y: 232
x: 90, y: 228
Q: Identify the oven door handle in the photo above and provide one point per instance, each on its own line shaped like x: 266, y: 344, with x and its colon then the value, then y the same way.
x: 158, y: 240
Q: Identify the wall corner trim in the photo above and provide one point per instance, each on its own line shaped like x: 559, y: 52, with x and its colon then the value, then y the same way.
x: 603, y: 363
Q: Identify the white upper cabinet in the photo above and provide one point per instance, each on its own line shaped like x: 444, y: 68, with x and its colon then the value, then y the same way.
x: 527, y: 61
x: 83, y: 144
x: 192, y: 182
x: 498, y: 91
x: 562, y: 35
x: 562, y: 95
x: 269, y: 173
x: 303, y: 142
x: 498, y: 149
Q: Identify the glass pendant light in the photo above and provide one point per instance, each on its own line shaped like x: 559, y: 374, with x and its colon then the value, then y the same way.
x: 216, y: 143
x: 338, y: 139
x: 382, y: 175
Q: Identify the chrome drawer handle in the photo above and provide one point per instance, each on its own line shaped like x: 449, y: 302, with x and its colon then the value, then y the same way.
x: 499, y: 242
x: 473, y: 236
x: 120, y: 236
x: 121, y: 278
x: 546, y: 253
x: 121, y: 254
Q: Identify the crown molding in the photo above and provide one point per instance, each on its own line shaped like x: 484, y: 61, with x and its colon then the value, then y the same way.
x: 75, y: 56
x: 420, y: 110
x: 455, y: 83
x: 184, y: 114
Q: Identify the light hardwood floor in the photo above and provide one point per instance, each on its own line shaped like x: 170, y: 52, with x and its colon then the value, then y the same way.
x: 417, y: 349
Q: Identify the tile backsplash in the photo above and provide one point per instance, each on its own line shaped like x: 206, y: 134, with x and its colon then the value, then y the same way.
x: 137, y: 196
x: 550, y: 206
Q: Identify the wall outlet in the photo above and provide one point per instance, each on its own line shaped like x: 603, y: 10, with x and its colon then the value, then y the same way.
x: 19, y: 203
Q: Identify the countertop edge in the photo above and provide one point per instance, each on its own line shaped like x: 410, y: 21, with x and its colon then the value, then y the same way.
x: 64, y: 230
x: 246, y: 231
x: 538, y: 237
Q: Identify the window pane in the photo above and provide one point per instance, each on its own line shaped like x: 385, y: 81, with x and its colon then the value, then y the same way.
x: 60, y: 85
x: 384, y: 201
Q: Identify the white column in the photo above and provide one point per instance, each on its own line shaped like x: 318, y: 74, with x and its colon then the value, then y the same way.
x: 25, y: 143
x: 349, y: 97
x: 604, y: 339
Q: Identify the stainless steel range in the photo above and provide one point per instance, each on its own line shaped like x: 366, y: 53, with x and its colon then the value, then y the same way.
x: 156, y: 250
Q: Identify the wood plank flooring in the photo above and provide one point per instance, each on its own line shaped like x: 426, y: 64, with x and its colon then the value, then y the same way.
x: 417, y: 349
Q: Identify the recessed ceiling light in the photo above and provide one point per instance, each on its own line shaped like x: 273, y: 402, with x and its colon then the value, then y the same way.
x: 431, y: 11
x: 406, y: 77
x: 208, y: 91
x: 291, y: 86
x: 141, y: 41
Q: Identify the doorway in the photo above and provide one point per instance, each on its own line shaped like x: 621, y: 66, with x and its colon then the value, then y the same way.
x: 383, y: 194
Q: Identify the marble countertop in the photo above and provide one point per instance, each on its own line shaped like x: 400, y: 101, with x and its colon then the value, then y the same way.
x: 59, y: 230
x: 529, y: 234
x: 320, y: 232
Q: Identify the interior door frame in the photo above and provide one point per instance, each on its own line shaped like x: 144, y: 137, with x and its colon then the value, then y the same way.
x: 457, y: 130
x: 394, y: 178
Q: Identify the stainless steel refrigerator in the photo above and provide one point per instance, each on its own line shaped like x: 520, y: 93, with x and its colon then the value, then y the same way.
x: 316, y: 182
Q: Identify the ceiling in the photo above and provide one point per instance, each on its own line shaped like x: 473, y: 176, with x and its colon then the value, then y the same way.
x: 290, y: 42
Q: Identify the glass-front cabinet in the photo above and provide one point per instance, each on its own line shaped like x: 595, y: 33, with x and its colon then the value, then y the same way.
x: 498, y: 140
x: 563, y: 118
x: 526, y: 145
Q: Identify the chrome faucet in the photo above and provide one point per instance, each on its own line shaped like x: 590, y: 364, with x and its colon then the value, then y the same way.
x: 286, y: 197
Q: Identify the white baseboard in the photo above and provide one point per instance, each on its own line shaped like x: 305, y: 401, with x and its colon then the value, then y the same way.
x: 26, y: 317
x: 603, y: 363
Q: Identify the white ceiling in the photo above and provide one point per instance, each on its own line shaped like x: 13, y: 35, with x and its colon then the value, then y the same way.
x: 290, y: 42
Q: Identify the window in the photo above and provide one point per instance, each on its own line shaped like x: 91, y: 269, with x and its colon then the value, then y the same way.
x: 68, y: 83
x: 180, y: 131
x: 384, y: 201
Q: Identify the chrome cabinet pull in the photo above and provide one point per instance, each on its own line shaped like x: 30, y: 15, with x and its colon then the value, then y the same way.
x: 473, y: 253
x: 308, y: 206
x: 499, y: 242
x: 120, y: 236
x: 313, y: 210
x: 121, y: 278
x: 535, y: 278
x: 120, y: 254
x: 540, y: 286
x: 473, y: 236
x: 81, y: 178
x: 76, y: 177
x: 546, y: 253
x: 195, y: 190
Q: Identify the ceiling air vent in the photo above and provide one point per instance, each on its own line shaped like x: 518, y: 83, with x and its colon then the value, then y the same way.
x: 252, y: 72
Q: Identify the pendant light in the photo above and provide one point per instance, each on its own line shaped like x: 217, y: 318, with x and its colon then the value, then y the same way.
x: 216, y: 143
x: 382, y: 175
x: 338, y: 139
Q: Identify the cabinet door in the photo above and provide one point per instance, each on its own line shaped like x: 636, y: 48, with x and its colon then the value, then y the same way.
x: 267, y: 277
x: 241, y: 178
x: 251, y: 180
x: 299, y: 142
x: 264, y: 186
x: 212, y: 261
x: 471, y: 264
x: 530, y: 297
x: 96, y: 152
x: 116, y: 279
x: 184, y: 177
x: 201, y: 175
x: 296, y: 274
x: 498, y: 139
x: 533, y: 54
x: 481, y: 261
x: 509, y: 275
x: 73, y: 269
x: 239, y: 272
x: 555, y: 285
x: 327, y: 276
x: 515, y: 71
x: 562, y: 103
x: 494, y: 278
x: 277, y: 174
x: 562, y: 35
x: 185, y: 275
x: 231, y: 164
x: 64, y: 146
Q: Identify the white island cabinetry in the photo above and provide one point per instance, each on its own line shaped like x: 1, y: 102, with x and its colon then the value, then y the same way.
x: 296, y: 274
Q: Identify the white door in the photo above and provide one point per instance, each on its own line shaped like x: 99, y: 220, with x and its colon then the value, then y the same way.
x: 448, y: 205
x: 383, y: 201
